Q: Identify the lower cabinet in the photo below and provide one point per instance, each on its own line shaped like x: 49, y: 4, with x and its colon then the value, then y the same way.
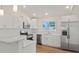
x: 27, y: 47
x: 31, y: 48
x: 53, y: 41
x: 8, y: 47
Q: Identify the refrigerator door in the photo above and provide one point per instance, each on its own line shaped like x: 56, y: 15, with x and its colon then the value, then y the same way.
x: 64, y: 42
x: 74, y: 36
x: 64, y: 37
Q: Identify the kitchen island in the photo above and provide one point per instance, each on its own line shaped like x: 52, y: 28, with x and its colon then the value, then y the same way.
x: 12, y: 42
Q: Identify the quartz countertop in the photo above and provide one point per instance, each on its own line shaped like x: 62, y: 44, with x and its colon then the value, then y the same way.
x: 12, y: 39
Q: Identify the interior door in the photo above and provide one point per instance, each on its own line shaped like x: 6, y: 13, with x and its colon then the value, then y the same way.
x: 74, y: 36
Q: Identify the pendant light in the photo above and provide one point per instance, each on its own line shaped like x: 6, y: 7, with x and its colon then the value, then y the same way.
x: 1, y: 11
x: 15, y: 8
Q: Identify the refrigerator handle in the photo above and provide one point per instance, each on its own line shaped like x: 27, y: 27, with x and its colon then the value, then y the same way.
x: 68, y: 34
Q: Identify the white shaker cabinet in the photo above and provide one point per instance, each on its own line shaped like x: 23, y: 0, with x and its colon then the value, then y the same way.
x: 53, y: 40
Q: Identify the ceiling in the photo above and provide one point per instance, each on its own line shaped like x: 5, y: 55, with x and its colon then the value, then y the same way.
x: 40, y: 10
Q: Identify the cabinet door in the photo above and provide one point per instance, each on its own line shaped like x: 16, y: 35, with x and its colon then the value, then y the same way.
x: 33, y: 23
x: 44, y: 40
x: 53, y: 41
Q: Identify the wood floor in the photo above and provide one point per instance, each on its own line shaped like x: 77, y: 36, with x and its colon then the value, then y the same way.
x: 45, y: 49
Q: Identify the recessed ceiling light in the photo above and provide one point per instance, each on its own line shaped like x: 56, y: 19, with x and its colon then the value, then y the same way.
x: 46, y: 13
x: 67, y: 7
x: 1, y: 12
x: 15, y: 8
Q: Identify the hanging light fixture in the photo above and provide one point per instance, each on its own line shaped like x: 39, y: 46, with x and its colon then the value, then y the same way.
x: 46, y: 14
x: 34, y: 14
x: 24, y: 6
x: 67, y: 7
x: 1, y: 11
x: 15, y: 8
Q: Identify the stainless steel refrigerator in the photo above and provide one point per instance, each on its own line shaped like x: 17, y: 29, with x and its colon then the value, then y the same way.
x: 70, y: 35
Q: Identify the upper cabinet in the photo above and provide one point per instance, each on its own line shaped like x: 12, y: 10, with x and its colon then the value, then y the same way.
x: 70, y: 18
x: 33, y: 23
